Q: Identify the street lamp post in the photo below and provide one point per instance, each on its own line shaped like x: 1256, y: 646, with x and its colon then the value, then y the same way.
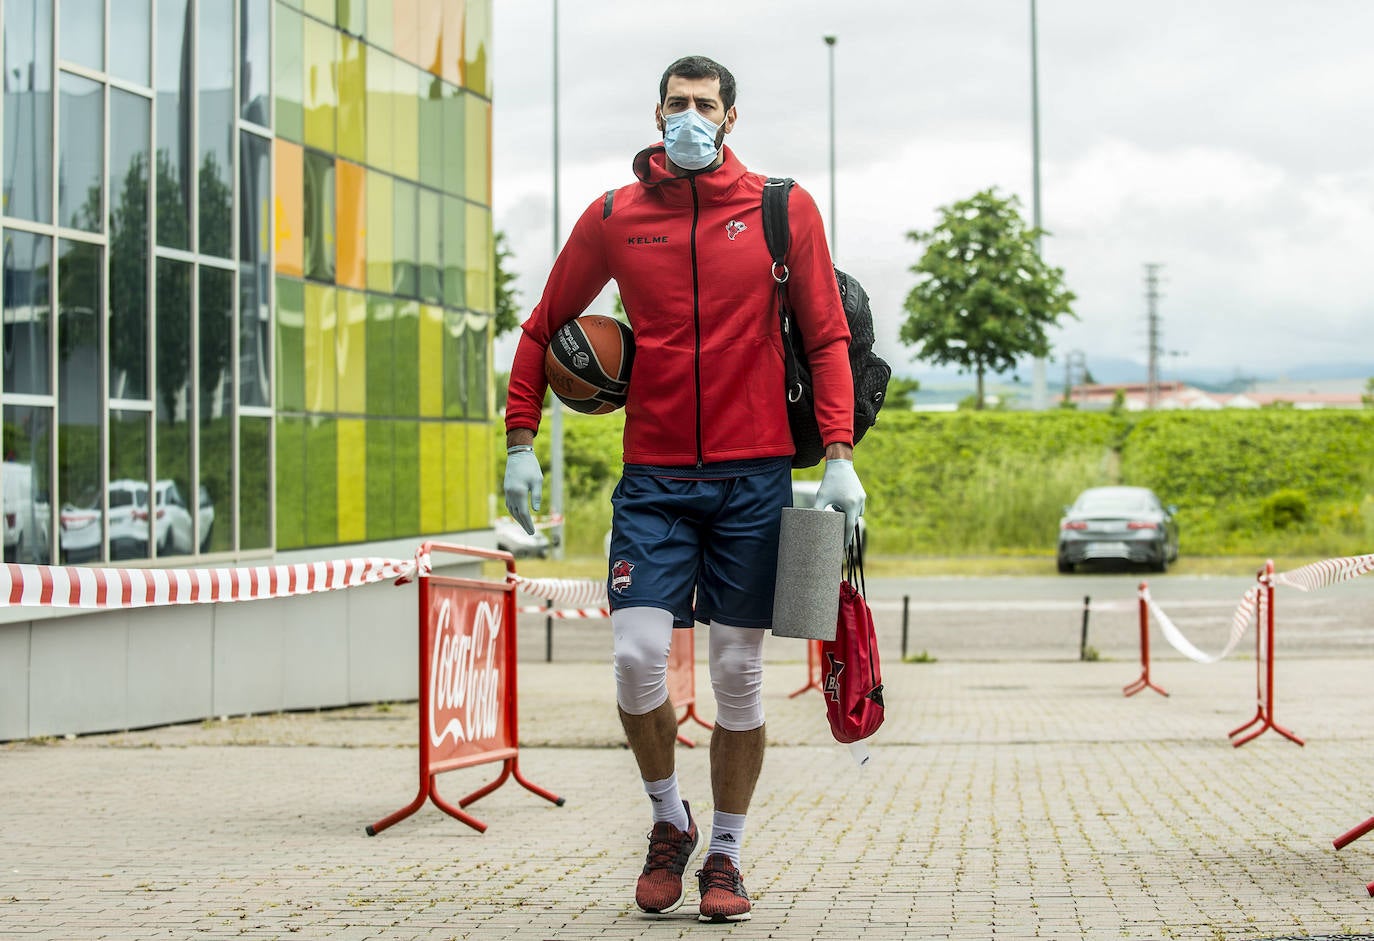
x: 830, y: 47
x: 1038, y: 392
x: 556, y: 418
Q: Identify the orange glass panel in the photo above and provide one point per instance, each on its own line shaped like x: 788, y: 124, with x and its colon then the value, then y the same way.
x: 405, y: 35
x: 431, y: 28
x: 289, y: 189
x: 451, y: 44
x: 350, y: 200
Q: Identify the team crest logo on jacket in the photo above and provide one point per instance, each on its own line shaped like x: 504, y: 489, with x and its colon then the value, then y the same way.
x: 620, y: 574
x: 734, y: 227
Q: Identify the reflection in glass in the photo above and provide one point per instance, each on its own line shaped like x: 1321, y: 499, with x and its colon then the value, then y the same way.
x: 430, y: 246
x: 80, y: 145
x: 215, y: 65
x: 82, y: 33
x: 255, y: 68
x: 321, y: 84
x: 455, y: 252
x: 25, y: 500
x: 255, y: 508
x: 173, y: 345
x: 352, y: 129
x: 406, y: 350
x: 290, y: 345
x: 214, y: 507
x: 477, y: 356
x: 381, y: 360
x: 130, y: 56
x: 455, y: 364
x: 290, y: 86
x: 319, y: 216
x: 130, y: 517
x: 27, y: 339
x: 28, y: 110
x: 380, y: 221
x: 406, y: 270
x: 175, y: 160
x: 431, y: 107
x: 455, y: 129
x: 173, y: 429
x: 255, y: 320
x: 78, y: 369
x: 129, y: 245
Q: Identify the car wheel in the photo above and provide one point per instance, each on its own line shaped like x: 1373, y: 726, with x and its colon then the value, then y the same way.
x: 1162, y: 563
x: 1065, y: 566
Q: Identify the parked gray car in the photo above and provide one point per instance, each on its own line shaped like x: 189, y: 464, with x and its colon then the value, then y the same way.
x: 1125, y: 523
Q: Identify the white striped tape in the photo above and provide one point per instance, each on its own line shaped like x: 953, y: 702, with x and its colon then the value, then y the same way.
x: 1327, y: 572
x: 1245, y: 614
x: 570, y: 613
x: 576, y: 593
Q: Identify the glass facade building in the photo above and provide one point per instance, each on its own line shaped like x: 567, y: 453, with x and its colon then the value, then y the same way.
x: 247, y: 277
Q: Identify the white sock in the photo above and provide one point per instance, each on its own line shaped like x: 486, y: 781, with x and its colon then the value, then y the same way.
x: 666, y: 803
x: 727, y: 833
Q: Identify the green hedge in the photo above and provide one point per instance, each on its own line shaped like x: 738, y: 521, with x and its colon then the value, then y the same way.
x: 964, y: 483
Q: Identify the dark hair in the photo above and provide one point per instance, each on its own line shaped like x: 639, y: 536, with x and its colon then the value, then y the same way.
x: 700, y: 67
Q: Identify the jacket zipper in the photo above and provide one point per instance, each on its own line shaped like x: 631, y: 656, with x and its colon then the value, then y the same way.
x: 696, y: 324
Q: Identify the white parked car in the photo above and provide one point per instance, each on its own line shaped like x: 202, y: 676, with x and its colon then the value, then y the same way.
x: 25, y: 518
x: 512, y: 538
x: 129, y: 518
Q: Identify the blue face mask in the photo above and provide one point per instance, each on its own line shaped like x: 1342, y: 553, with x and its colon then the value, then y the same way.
x: 690, y: 139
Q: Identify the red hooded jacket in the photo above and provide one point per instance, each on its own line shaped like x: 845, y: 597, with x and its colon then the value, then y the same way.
x: 689, y: 258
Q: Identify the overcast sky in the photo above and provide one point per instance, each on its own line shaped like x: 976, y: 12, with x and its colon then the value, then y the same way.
x: 1231, y: 141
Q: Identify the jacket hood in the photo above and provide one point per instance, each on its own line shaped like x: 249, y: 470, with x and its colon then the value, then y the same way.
x: 651, y: 169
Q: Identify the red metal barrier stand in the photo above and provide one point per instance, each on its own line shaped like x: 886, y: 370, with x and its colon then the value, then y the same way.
x: 1346, y: 839
x: 682, y: 678
x: 813, y: 669
x: 468, y: 685
x: 1264, y: 668
x: 1144, y: 682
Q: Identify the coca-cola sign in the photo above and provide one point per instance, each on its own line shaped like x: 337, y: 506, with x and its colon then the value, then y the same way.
x: 465, y: 670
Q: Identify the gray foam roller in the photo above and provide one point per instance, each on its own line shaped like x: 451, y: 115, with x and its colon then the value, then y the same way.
x: 806, y: 597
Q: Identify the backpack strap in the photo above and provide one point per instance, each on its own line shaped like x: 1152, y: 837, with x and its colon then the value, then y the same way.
x: 607, y: 203
x: 777, y: 233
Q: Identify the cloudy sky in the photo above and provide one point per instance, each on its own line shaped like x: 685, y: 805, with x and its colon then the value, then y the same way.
x: 1230, y: 141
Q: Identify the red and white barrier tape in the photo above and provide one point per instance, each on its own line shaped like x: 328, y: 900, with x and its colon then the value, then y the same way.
x: 572, y: 613
x: 576, y: 593
x: 53, y: 586
x: 1245, y: 614
x: 1327, y: 572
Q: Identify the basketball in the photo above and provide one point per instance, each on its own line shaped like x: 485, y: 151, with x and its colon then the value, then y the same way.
x: 588, y: 363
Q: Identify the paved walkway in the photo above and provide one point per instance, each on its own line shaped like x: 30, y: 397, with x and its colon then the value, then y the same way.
x: 1005, y: 798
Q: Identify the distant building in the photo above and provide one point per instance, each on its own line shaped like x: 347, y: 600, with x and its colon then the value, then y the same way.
x: 1179, y: 395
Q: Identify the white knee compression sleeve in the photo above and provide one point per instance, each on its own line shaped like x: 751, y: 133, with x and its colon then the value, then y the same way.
x: 642, y: 639
x: 737, y: 676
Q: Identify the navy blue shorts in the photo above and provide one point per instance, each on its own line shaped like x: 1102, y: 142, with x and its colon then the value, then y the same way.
x: 705, y: 534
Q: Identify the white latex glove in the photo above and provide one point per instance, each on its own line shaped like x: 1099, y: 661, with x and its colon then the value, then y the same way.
x: 524, y: 485
x: 840, y: 489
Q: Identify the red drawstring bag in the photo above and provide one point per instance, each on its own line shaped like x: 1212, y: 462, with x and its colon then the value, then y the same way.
x: 851, y: 680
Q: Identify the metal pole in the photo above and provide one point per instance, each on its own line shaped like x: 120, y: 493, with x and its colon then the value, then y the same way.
x: 830, y: 44
x: 906, y: 618
x: 1039, y: 398
x: 1083, y: 641
x: 556, y: 423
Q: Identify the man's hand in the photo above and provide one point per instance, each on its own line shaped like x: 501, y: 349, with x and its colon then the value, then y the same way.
x: 524, y: 485
x: 840, y: 489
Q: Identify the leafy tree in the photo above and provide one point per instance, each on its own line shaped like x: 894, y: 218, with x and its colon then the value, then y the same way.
x: 984, y: 297
x: 901, y: 393
x: 507, y: 297
x: 1368, y: 396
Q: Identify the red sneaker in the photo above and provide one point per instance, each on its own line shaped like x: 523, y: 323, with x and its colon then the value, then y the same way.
x: 722, y: 890
x: 659, y: 890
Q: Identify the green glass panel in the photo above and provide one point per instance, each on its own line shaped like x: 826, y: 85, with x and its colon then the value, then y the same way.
x: 380, y: 23
x: 406, y: 84
x: 407, y: 478
x: 476, y: 47
x: 351, y: 15
x: 321, y: 482
x: 320, y: 9
x: 480, y: 258
x: 431, y: 142
x: 431, y: 467
x: 212, y: 502
x: 406, y: 257
x: 352, y: 129
x: 321, y: 364
x: 319, y: 216
x: 430, y: 245
x: 407, y: 345
x: 255, y: 493
x: 290, y: 453
x: 455, y: 135
x: 290, y: 345
x: 381, y: 224
x: 455, y: 366
x: 353, y: 352
x: 321, y: 88
x: 478, y: 357
x: 455, y: 252
x: 381, y: 479
x: 381, y: 357
x: 380, y: 121
x: 290, y: 73
x: 477, y: 150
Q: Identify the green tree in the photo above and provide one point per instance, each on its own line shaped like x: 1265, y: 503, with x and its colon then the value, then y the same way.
x: 984, y: 297
x: 507, y: 297
x: 1368, y: 396
x: 901, y: 393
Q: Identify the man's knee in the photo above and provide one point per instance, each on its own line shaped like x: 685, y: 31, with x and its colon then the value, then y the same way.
x: 736, y: 661
x: 643, y: 637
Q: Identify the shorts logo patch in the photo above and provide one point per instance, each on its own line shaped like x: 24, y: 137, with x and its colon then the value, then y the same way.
x: 620, y: 574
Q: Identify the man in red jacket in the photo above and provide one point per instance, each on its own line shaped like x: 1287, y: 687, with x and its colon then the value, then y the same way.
x: 707, y: 448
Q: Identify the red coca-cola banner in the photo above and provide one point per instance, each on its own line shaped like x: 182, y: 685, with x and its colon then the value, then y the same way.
x: 468, y: 687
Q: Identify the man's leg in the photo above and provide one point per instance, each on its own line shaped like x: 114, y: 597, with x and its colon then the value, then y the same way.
x: 643, y: 637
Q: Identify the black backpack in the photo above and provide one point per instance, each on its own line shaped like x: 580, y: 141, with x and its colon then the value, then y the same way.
x: 871, y: 373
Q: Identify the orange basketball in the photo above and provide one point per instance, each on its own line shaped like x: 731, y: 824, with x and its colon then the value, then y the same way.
x: 588, y: 363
